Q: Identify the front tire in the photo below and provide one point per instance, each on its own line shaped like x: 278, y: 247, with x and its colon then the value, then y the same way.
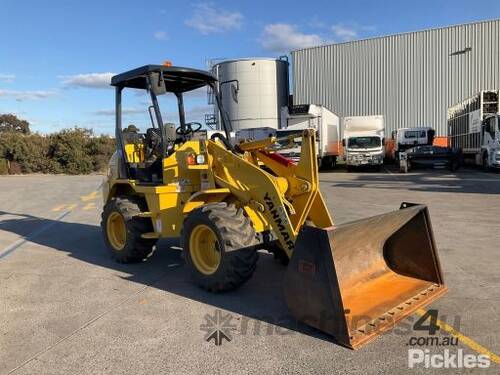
x: 219, y: 243
x: 122, y: 230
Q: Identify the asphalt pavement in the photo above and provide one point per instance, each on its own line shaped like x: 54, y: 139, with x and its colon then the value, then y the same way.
x: 66, y: 307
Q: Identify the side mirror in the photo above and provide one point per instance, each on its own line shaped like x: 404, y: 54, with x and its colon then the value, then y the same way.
x: 383, y: 141
x: 343, y: 142
x: 169, y: 133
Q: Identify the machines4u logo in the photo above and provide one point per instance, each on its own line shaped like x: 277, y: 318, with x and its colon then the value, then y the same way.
x: 218, y: 327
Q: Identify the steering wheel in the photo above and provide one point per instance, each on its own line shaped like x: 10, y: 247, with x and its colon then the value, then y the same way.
x: 189, y: 128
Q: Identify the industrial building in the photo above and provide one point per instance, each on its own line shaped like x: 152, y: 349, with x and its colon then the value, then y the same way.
x: 410, y: 78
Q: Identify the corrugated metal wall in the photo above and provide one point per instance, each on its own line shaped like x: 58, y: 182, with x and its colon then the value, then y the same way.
x: 409, y: 78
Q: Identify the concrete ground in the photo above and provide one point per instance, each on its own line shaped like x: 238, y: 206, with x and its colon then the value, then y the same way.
x: 65, y: 307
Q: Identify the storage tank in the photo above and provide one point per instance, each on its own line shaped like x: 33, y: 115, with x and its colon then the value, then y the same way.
x: 253, y: 90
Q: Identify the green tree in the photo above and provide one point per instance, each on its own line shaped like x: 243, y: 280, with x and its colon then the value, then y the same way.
x: 71, y: 151
x: 11, y: 123
x: 30, y: 151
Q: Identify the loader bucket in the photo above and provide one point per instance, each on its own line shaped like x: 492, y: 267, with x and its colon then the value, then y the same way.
x: 357, y: 280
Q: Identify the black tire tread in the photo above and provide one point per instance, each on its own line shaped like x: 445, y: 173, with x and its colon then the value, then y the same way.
x: 136, y: 248
x: 239, y: 258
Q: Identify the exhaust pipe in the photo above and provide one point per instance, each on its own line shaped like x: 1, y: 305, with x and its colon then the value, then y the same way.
x: 359, y: 279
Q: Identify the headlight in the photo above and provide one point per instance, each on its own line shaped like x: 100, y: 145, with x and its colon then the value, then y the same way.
x: 200, y: 159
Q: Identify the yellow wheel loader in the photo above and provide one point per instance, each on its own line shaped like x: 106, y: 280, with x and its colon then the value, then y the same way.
x: 226, y: 201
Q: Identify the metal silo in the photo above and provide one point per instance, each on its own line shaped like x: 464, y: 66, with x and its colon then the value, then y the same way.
x: 253, y: 90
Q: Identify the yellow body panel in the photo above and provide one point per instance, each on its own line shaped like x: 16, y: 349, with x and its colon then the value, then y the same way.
x: 279, y: 201
x: 166, y: 203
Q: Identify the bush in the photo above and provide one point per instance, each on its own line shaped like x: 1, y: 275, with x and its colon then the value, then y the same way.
x: 71, y: 151
x: 68, y: 149
x: 3, y: 167
x: 101, y: 148
x: 15, y: 168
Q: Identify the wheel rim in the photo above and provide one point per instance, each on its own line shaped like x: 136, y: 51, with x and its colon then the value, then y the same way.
x: 116, y: 230
x: 204, y: 249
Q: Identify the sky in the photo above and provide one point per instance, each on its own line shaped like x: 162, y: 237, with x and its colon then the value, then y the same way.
x: 57, y: 57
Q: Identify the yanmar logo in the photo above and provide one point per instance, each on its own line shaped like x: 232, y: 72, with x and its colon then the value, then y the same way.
x: 279, y: 219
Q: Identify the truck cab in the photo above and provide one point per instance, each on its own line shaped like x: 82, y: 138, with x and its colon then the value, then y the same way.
x: 364, y: 141
x: 490, y: 142
x: 406, y: 138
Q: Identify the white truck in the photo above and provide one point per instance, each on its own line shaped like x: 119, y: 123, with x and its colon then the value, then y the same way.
x: 326, y: 124
x: 363, y: 141
x: 405, y: 138
x: 474, y: 127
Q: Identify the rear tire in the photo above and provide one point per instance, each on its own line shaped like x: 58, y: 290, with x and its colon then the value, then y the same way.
x: 454, y: 165
x: 230, y: 234
x: 327, y: 163
x: 122, y: 230
x: 485, y: 162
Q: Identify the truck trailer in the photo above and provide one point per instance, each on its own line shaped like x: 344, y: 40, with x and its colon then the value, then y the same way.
x: 324, y: 122
x: 473, y: 127
x: 364, y: 141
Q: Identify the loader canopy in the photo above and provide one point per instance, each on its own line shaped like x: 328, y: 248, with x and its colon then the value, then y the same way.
x: 176, y: 78
x: 357, y: 280
x: 161, y: 138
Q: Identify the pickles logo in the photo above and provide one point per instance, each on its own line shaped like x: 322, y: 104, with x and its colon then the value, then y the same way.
x: 279, y: 218
x: 449, y: 358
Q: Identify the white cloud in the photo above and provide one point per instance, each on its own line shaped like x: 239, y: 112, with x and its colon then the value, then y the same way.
x: 344, y: 33
x: 160, y: 35
x: 21, y: 96
x: 194, y: 113
x: 208, y: 19
x: 125, y: 111
x: 92, y: 80
x: 198, y: 112
x: 7, y: 78
x: 282, y: 37
x: 197, y: 93
x: 317, y: 23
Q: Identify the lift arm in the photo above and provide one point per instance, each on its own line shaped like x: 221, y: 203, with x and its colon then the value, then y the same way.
x: 286, y: 194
